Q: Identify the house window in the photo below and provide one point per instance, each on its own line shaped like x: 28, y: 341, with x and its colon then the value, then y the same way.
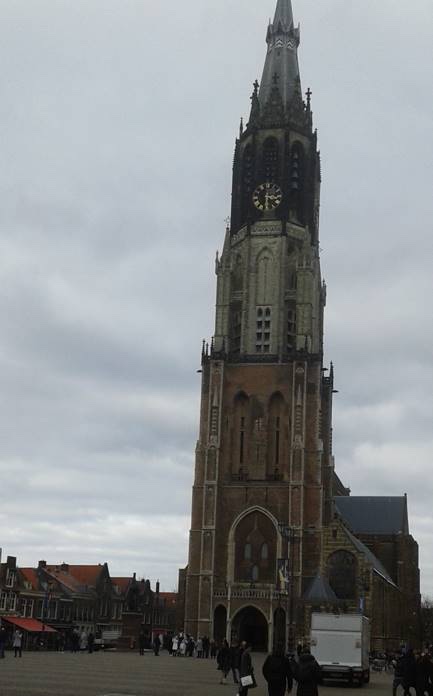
x: 255, y: 573
x: 8, y: 601
x: 27, y: 608
x: 247, y: 552
x: 264, y: 552
x: 263, y: 329
x: 10, y: 578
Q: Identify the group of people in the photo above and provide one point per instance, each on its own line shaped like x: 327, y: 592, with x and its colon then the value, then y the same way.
x: 413, y: 671
x: 183, y: 645
x: 278, y: 670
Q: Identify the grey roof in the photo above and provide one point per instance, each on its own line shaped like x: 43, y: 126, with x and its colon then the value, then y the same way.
x: 376, y: 515
x: 320, y: 591
x: 376, y: 564
x: 281, y: 67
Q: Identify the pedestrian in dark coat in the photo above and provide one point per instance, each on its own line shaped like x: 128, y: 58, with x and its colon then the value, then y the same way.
x: 247, y: 669
x: 141, y: 642
x: 409, y: 671
x: 424, y: 675
x: 3, y: 637
x: 156, y: 646
x: 277, y: 672
x: 307, y: 674
x: 235, y: 661
x: 224, y: 661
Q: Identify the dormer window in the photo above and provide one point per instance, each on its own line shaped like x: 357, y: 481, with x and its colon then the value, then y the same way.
x: 10, y: 578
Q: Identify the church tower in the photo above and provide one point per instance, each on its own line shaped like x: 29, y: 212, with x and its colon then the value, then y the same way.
x: 264, y: 466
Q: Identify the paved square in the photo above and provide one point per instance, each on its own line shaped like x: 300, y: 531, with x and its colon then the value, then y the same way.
x: 128, y: 674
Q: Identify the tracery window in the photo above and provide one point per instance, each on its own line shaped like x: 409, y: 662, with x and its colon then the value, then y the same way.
x: 270, y: 160
x: 342, y: 574
x: 247, y: 180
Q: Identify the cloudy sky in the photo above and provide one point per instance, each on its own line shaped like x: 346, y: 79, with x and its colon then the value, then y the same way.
x: 117, y: 127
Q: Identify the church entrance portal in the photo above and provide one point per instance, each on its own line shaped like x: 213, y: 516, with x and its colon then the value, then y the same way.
x: 249, y: 624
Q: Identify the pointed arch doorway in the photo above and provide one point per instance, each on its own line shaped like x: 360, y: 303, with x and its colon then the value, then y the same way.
x: 250, y: 624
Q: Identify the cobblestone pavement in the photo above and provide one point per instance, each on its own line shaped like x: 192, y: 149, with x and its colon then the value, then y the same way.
x: 127, y: 674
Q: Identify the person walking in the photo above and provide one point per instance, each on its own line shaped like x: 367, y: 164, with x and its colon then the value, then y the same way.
x: 91, y: 642
x: 399, y: 675
x: 410, y: 671
x: 423, y: 683
x: 199, y: 647
x: 224, y: 661
x: 141, y: 642
x: 17, y: 643
x: 156, y: 646
x: 206, y: 647
x: 83, y: 641
x: 307, y: 674
x: 235, y: 661
x: 3, y: 637
x: 277, y: 672
x: 247, y: 678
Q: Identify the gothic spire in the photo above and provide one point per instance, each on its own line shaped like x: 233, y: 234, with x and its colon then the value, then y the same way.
x: 281, y: 66
x: 284, y: 13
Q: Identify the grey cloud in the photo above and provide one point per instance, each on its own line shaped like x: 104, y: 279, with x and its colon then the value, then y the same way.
x: 117, y: 145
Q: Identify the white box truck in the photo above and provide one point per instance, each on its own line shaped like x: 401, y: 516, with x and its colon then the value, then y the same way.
x: 341, y: 645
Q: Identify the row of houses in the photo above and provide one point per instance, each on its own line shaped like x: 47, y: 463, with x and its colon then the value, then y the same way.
x: 49, y: 601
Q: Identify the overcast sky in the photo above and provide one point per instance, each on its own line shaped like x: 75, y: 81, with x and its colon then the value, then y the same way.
x: 117, y: 128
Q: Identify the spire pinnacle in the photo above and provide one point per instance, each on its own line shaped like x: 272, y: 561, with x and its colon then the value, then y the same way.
x: 281, y: 66
x: 283, y: 14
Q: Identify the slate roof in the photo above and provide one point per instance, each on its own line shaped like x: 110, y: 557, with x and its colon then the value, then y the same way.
x: 374, y: 515
x: 320, y: 591
x: 376, y: 564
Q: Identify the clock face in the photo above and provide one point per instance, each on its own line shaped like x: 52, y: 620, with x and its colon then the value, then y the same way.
x: 267, y: 196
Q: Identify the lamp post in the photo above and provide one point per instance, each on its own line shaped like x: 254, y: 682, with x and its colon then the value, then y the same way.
x: 289, y: 534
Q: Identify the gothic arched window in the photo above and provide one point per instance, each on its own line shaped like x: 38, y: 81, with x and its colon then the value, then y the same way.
x: 297, y: 168
x: 276, y: 446
x: 247, y: 180
x: 297, y: 175
x: 270, y: 160
x: 241, y: 426
x: 255, y: 549
x: 342, y: 571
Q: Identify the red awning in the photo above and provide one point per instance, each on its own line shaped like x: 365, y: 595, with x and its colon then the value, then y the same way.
x: 30, y: 625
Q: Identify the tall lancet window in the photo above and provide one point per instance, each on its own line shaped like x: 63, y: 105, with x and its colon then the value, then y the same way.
x: 270, y: 165
x: 276, y: 443
x: 291, y: 326
x: 240, y: 433
x: 247, y: 180
x: 297, y: 181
